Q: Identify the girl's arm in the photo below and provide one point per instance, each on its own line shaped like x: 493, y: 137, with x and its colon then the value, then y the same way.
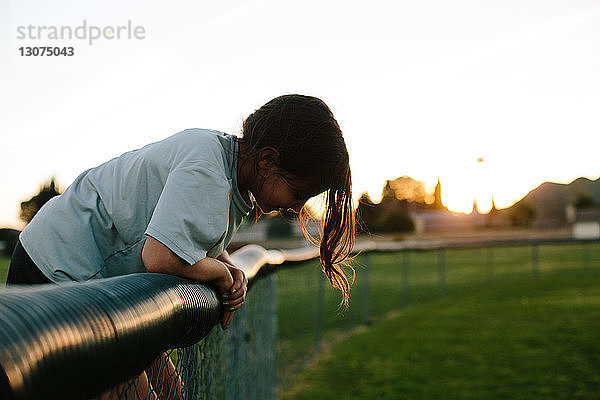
x: 159, y: 258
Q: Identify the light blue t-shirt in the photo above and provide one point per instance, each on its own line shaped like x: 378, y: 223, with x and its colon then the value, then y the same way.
x: 182, y: 191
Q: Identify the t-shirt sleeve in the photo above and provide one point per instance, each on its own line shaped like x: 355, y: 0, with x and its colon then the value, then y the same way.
x: 191, y: 214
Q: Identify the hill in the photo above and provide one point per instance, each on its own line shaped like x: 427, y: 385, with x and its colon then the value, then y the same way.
x: 550, y: 199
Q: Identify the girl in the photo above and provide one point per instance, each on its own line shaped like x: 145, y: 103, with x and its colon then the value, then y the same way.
x: 173, y: 206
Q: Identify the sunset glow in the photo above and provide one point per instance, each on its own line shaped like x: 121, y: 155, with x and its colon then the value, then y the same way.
x: 491, y: 101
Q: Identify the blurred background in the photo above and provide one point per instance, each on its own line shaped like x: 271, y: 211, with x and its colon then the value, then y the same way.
x: 473, y: 135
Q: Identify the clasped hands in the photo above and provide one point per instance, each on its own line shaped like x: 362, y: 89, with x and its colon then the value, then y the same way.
x: 231, y: 290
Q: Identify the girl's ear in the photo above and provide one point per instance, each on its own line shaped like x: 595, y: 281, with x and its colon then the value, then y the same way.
x: 267, y: 159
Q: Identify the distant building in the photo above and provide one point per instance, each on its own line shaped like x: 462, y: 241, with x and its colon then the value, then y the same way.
x: 585, y: 222
x: 446, y: 221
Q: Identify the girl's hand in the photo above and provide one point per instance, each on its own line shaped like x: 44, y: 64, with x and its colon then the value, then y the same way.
x: 223, y: 283
x: 234, y: 298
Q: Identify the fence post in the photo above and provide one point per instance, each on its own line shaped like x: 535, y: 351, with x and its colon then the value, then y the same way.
x: 442, y: 271
x: 366, y: 290
x: 535, y: 259
x: 404, y: 273
x: 319, y: 319
x: 489, y: 263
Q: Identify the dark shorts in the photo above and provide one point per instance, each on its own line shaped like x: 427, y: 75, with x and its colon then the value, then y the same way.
x: 22, y: 269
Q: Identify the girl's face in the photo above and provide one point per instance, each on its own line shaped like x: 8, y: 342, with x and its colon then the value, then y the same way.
x: 283, y: 192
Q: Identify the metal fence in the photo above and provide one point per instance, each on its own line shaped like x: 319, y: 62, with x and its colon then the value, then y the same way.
x: 51, y: 351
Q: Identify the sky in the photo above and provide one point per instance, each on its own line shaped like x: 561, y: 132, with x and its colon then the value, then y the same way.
x: 424, y: 89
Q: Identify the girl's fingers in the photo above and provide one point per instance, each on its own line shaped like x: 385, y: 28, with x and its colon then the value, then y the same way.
x: 229, y: 310
x: 235, y: 295
x: 232, y: 302
x: 227, y: 319
x: 232, y: 307
x: 235, y: 288
x: 237, y: 283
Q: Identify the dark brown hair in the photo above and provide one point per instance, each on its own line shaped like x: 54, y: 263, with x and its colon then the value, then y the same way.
x: 311, y: 146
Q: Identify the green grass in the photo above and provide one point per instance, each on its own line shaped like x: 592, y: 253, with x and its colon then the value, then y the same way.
x: 497, y: 333
x: 4, y: 262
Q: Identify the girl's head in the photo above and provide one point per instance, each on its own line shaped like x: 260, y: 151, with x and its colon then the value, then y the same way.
x: 297, y: 152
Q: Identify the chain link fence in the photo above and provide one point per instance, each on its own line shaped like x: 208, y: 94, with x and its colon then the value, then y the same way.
x: 291, y: 315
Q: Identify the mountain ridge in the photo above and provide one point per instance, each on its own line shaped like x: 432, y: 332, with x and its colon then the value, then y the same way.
x: 551, y: 199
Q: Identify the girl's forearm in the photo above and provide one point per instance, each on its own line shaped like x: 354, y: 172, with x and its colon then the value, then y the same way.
x: 158, y: 258
x: 206, y: 270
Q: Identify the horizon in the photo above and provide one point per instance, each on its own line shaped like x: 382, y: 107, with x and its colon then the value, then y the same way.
x: 315, y: 200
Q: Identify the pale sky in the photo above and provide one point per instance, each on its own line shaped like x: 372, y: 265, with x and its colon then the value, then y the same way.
x: 419, y: 88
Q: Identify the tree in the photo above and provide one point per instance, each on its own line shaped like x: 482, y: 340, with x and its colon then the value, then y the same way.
x: 8, y: 240
x: 437, y: 197
x: 583, y: 200
x: 387, y: 193
x: 391, y: 215
x: 492, y: 214
x: 30, y: 207
x: 367, y: 213
x: 406, y: 188
x: 522, y: 214
x: 397, y: 220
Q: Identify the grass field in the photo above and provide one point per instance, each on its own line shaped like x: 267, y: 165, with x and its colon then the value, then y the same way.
x: 500, y: 330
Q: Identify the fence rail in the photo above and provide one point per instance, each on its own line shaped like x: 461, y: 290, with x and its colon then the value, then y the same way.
x: 75, y: 340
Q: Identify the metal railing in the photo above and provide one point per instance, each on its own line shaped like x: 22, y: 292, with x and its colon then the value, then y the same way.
x: 77, y: 340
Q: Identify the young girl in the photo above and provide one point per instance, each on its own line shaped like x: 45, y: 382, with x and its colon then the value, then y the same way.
x: 173, y: 206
